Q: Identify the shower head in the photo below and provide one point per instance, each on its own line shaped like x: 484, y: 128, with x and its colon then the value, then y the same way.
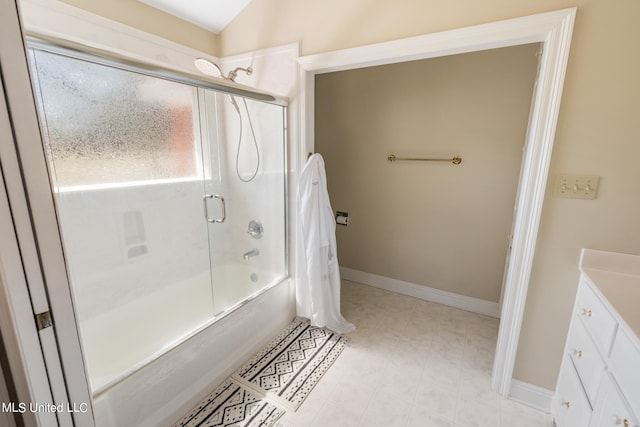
x: 212, y: 69
x: 207, y: 67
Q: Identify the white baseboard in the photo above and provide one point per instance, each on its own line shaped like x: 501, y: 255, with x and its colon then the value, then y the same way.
x: 474, y: 305
x: 531, y: 395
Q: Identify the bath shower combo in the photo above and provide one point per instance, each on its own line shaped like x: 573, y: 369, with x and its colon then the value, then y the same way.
x: 132, y: 153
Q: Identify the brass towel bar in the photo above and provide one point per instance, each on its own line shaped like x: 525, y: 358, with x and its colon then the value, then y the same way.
x: 456, y: 160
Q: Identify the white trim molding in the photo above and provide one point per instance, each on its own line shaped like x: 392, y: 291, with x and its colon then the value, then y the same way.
x: 56, y: 20
x: 423, y: 292
x: 531, y: 395
x: 553, y: 30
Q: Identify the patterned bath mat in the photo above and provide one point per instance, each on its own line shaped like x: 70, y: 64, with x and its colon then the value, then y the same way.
x: 232, y: 405
x: 289, y: 367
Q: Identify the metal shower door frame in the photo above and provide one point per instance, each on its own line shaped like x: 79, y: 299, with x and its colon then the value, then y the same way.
x: 54, y: 369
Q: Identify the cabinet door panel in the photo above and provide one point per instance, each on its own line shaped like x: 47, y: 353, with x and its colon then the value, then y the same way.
x: 625, y: 366
x: 586, y: 359
x: 596, y: 317
x: 612, y: 410
x: 570, y: 406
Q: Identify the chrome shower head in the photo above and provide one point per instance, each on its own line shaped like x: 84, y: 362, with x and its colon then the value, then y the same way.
x: 207, y: 67
x: 210, y: 68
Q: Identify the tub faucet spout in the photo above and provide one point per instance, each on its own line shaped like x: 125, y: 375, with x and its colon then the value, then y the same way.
x: 250, y: 254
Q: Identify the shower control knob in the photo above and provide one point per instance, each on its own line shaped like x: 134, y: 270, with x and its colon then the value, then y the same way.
x: 255, y: 229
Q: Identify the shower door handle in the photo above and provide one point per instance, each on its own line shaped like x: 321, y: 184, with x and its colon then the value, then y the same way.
x: 206, y: 209
x: 224, y: 208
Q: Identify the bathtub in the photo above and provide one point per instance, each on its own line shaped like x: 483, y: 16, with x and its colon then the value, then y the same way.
x: 120, y: 341
x: 165, y: 384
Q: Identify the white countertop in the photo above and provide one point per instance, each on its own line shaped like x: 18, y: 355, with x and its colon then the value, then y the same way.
x: 617, y: 277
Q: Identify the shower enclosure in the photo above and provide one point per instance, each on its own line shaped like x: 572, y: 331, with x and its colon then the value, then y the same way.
x: 163, y: 231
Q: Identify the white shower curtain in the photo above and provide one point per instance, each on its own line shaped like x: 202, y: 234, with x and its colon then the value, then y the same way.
x: 318, y: 277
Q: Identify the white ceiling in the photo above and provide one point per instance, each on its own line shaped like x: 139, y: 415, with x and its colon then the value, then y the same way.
x: 212, y: 15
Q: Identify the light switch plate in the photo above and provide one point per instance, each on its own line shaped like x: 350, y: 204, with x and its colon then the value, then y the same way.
x: 577, y: 186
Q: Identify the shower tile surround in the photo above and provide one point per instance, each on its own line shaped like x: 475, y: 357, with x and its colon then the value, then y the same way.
x: 411, y: 363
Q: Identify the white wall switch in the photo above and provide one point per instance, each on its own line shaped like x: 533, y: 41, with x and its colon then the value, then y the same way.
x: 577, y: 186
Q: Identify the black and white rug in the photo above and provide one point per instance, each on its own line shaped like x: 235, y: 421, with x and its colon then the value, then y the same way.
x: 232, y: 405
x: 280, y: 376
x: 289, y: 367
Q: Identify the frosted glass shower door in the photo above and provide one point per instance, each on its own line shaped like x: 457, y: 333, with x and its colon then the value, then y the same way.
x: 247, y: 168
x: 127, y: 175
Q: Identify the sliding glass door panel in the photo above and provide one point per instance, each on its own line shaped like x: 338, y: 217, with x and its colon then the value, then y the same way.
x: 247, y: 168
x: 125, y: 163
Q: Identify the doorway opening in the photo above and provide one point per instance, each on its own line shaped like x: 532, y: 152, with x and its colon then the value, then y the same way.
x: 553, y: 30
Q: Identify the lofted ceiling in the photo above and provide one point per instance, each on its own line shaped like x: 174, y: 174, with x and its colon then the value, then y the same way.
x: 212, y: 15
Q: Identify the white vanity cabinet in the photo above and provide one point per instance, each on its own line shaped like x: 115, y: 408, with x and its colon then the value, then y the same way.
x: 599, y: 381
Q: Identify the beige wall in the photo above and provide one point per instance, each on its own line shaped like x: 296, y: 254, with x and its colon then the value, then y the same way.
x: 598, y: 129
x: 433, y: 224
x: 138, y: 15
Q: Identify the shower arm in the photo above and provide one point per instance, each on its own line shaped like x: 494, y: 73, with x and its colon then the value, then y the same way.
x: 234, y: 73
x: 207, y: 67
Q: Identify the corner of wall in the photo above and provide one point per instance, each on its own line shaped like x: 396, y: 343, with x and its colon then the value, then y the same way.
x: 139, y: 15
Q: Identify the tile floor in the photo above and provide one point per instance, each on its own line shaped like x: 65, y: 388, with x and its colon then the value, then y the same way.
x: 411, y: 363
